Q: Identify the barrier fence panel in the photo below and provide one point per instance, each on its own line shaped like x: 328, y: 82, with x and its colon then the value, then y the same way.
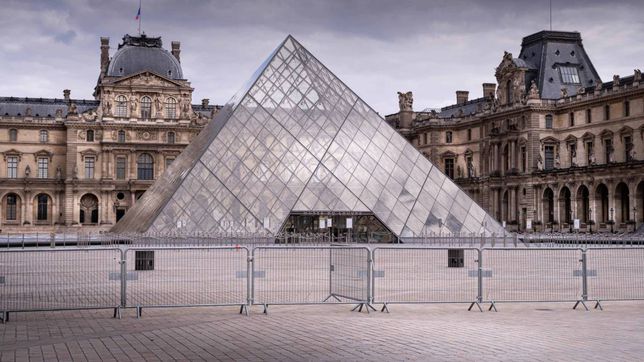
x: 532, y: 275
x: 186, y: 276
x: 425, y: 275
x: 308, y: 275
x: 58, y: 279
x: 615, y: 274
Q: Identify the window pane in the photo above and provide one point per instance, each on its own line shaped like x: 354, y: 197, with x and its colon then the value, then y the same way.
x: 120, y: 168
x: 89, y: 167
x: 42, y: 207
x: 12, y: 205
x: 121, y: 106
x: 171, y: 137
x: 121, y: 136
x: 145, y: 169
x: 90, y: 136
x: 13, y: 135
x: 569, y: 75
x: 171, y: 108
x: 12, y: 166
x: 146, y: 107
x: 550, y: 157
x: 43, y: 136
x: 43, y: 167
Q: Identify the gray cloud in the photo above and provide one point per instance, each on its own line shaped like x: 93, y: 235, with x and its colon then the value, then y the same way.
x: 377, y: 47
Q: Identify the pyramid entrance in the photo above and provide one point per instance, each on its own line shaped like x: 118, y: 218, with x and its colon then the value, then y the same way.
x: 354, y: 227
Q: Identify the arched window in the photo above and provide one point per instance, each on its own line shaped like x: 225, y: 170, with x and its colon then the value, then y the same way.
x: 42, y: 213
x: 121, y: 136
x: 44, y: 136
x: 90, y: 136
x: 13, y: 135
x: 11, y: 208
x: 171, y: 138
x: 88, y: 209
x: 170, y: 107
x: 145, y: 167
x: 146, y: 107
x: 121, y: 106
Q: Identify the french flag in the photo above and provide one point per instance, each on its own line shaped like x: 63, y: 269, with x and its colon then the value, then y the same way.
x: 138, y: 13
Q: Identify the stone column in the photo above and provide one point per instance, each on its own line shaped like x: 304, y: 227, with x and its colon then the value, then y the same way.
x: 132, y: 171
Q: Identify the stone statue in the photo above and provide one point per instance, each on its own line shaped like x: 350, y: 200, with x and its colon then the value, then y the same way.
x: 186, y: 108
x: 564, y: 92
x: 598, y: 87
x: 27, y: 171
x: 59, y: 113
x: 539, y: 163
x: 459, y: 171
x: 107, y: 107
x: 59, y: 173
x: 581, y: 90
x: 631, y: 154
x: 405, y: 101
x: 611, y: 157
x: 158, y: 104
x: 637, y: 75
x: 615, y: 81
x: 28, y: 112
x: 591, y: 159
x: 72, y: 109
x: 534, y: 90
x: 133, y: 105
x: 75, y: 171
x: 470, y: 168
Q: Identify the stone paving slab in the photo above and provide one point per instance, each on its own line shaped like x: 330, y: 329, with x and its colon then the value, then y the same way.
x: 530, y: 332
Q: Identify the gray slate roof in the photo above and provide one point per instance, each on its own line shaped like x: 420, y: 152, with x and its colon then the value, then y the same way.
x: 41, y: 107
x: 138, y: 54
x: 468, y: 108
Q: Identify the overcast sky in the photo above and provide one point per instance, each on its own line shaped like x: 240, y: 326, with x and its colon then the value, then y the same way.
x: 432, y: 48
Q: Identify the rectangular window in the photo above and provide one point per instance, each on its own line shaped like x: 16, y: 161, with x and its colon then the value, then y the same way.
x: 569, y: 75
x: 549, y: 121
x: 572, y: 119
x: 43, y: 136
x: 12, y: 167
x: 607, y: 112
x: 573, y: 154
x: 43, y: 167
x: 589, y: 153
x: 424, y: 138
x: 627, y: 109
x: 550, y: 157
x: 120, y: 168
x: 448, y: 137
x: 524, y: 159
x: 469, y: 134
x: 589, y: 115
x: 89, y: 167
x: 628, y: 146
x: 608, y: 150
x: 449, y: 167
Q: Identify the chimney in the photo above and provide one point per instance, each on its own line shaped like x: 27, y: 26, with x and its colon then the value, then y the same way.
x: 204, y: 102
x: 105, y: 52
x: 488, y: 90
x: 66, y: 93
x: 176, y: 50
x: 461, y: 96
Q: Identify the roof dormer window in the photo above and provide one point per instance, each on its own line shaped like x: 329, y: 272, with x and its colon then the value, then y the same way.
x: 569, y: 75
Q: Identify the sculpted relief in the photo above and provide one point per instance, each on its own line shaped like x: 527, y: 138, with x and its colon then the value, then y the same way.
x: 405, y: 101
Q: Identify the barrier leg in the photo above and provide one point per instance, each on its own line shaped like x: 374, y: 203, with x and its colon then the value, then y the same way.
x: 139, y: 311
x: 492, y: 306
x: 4, y: 317
x: 244, y: 310
x: 265, y: 309
x: 117, y: 312
x: 384, y: 308
x: 582, y: 303
x: 477, y: 304
x: 598, y: 305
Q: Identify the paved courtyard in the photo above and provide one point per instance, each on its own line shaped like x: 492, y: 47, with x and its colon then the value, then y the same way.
x: 417, y: 332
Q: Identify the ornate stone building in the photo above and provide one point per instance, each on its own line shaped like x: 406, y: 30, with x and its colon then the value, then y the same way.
x: 548, y: 143
x: 68, y: 163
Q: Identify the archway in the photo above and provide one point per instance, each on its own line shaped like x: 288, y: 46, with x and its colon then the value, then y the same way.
x: 565, y: 205
x: 583, y: 204
x: 88, y: 209
x: 548, y: 205
x: 601, y: 202
x: 622, y: 203
x: 12, y: 206
x: 42, y: 209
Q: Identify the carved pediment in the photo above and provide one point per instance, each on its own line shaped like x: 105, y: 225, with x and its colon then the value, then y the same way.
x: 448, y: 154
x: 43, y: 153
x: 606, y: 133
x: 626, y: 130
x: 588, y: 136
x: 571, y: 139
x: 147, y: 79
x: 549, y: 140
x: 12, y: 152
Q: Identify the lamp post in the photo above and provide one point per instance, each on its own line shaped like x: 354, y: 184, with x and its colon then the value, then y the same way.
x: 612, y: 220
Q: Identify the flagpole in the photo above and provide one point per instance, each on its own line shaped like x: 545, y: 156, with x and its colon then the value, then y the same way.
x: 140, y: 17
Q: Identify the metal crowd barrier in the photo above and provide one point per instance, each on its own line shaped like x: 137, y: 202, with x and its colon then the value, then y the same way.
x: 186, y: 276
x: 59, y: 279
x: 426, y: 275
x: 615, y: 274
x: 310, y: 275
x: 532, y: 275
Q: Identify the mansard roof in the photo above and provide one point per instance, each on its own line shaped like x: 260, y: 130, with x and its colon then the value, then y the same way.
x: 137, y: 54
x: 41, y: 107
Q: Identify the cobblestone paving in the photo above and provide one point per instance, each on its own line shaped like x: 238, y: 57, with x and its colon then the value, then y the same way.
x: 517, y: 332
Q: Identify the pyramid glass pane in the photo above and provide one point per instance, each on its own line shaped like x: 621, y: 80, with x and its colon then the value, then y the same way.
x: 295, y: 139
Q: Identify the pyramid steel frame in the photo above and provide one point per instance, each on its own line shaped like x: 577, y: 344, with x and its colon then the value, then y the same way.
x: 297, y: 139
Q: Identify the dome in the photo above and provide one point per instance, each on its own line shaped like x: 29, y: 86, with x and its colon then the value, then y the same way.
x: 138, y: 54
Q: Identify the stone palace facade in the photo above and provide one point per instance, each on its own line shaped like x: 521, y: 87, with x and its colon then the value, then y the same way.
x: 547, y: 144
x: 68, y: 162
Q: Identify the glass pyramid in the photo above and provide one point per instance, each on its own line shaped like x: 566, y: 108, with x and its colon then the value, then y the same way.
x: 297, y: 139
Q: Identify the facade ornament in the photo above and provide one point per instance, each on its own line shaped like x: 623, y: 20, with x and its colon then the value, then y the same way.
x: 591, y: 159
x: 611, y: 157
x: 28, y: 112
x: 72, y: 109
x: 75, y: 171
x: 598, y: 88
x: 89, y: 116
x: 186, y: 108
x: 564, y: 92
x: 133, y: 105
x: 637, y: 75
x: 557, y: 161
x: 59, y: 173
x: 615, y: 81
x: 470, y: 168
x: 581, y: 90
x: 459, y: 171
x: 59, y: 113
x: 534, y: 90
x: 81, y: 134
x: 406, y: 101
x: 27, y: 171
x: 631, y: 154
x: 158, y: 104
x: 107, y: 107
